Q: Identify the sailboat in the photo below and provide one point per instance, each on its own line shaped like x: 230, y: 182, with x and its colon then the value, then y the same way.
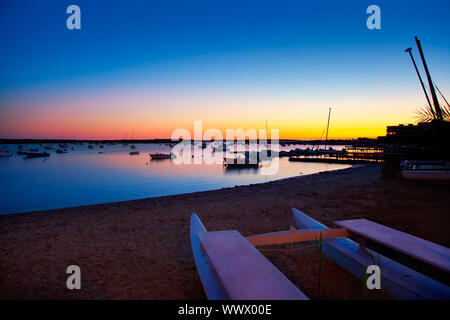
x: 428, y: 170
x: 330, y: 150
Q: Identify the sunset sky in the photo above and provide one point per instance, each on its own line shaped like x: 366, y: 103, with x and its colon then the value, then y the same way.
x: 140, y: 69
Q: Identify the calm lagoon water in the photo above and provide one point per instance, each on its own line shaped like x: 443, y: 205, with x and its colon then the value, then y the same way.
x: 84, y: 176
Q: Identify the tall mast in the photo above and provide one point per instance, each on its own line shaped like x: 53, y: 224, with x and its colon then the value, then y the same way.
x: 437, y: 108
x: 421, y: 82
x: 328, y: 124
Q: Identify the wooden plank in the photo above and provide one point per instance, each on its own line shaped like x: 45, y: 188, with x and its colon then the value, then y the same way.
x: 245, y: 273
x: 423, y: 250
x: 290, y: 236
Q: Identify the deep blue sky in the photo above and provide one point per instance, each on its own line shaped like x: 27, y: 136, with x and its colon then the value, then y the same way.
x: 36, y: 46
x: 295, y: 49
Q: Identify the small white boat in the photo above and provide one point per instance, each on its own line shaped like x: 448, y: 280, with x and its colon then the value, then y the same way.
x: 427, y: 175
x: 408, y: 164
x: 247, y: 161
x: 433, y: 171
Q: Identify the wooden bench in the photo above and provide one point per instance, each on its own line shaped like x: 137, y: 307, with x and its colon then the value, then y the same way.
x: 245, y: 273
x: 423, y: 250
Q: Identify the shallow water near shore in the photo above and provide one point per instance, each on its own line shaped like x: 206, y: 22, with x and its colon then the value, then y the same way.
x: 84, y: 176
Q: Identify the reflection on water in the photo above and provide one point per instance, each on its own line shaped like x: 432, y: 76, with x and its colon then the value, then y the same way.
x: 239, y: 171
x: 84, y: 176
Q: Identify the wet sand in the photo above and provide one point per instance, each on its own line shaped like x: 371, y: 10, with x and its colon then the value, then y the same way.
x: 141, y: 249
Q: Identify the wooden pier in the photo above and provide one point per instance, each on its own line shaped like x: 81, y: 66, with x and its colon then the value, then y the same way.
x: 352, y: 155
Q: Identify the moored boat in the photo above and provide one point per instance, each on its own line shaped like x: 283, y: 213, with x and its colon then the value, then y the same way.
x: 408, y: 164
x: 157, y: 156
x: 37, y: 154
x: 5, y: 154
x: 442, y: 176
x: 242, y: 162
x: 433, y: 171
x: 134, y: 153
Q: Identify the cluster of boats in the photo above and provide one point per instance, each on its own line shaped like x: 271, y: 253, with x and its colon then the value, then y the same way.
x: 29, y: 152
x: 420, y: 170
x: 36, y: 153
x: 310, y: 152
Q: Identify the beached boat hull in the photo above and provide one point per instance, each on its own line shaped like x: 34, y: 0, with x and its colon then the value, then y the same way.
x: 427, y: 175
x: 208, y: 276
x: 402, y: 282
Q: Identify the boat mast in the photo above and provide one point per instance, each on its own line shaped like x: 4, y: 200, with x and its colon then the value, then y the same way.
x: 442, y: 95
x: 420, y: 79
x: 328, y: 124
x: 437, y: 108
x: 267, y: 133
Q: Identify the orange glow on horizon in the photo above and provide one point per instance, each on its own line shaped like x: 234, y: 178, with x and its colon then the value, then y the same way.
x: 119, y: 115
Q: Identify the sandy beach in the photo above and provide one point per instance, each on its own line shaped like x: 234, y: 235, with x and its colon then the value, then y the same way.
x: 141, y: 249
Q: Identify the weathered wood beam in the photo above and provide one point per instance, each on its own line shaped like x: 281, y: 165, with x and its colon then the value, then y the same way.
x: 293, y: 235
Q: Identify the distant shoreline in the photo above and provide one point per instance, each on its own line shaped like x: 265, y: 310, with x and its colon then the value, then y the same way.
x: 287, y: 141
